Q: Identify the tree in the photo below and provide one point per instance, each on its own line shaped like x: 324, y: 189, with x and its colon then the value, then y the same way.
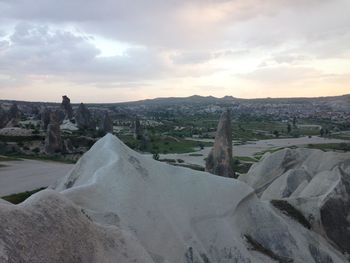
x: 276, y: 133
x: 322, y: 132
x: 289, y: 128
x: 156, y: 156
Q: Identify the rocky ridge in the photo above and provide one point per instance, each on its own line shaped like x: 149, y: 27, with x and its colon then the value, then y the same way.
x: 119, y: 205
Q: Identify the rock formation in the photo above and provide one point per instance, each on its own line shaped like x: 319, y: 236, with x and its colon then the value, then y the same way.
x: 13, y: 116
x: 137, y: 129
x: 14, y: 112
x: 84, y: 118
x: 219, y: 160
x: 45, y: 118
x: 67, y: 107
x: 314, y: 182
x: 205, y: 218
x: 3, y: 118
x: 53, y: 140
x: 49, y: 228
x: 105, y: 123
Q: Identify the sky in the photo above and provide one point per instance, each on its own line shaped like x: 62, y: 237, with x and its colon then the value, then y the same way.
x: 119, y: 50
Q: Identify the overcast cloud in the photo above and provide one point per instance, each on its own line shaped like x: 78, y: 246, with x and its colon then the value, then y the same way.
x: 139, y: 49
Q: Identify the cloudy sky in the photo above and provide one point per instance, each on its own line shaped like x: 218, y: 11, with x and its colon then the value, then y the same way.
x: 118, y: 50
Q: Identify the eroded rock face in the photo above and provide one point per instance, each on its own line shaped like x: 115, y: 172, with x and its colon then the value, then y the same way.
x: 105, y: 123
x: 84, y: 118
x: 335, y: 213
x: 50, y: 228
x: 67, y: 107
x: 314, y: 182
x: 53, y: 140
x: 219, y: 160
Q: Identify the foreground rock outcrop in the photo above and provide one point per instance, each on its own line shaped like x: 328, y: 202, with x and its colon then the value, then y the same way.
x: 117, y: 205
x: 315, y: 183
x: 50, y: 228
x: 219, y: 160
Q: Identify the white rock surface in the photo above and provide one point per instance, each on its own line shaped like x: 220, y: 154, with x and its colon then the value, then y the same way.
x: 165, y: 214
x: 274, y: 165
x: 67, y: 125
x: 314, y: 182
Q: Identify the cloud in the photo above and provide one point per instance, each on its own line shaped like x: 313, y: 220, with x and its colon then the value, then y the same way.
x: 197, y: 41
x: 283, y: 75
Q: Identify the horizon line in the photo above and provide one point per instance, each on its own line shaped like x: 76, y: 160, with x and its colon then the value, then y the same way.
x: 180, y: 97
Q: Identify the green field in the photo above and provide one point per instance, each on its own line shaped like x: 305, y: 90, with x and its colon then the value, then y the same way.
x: 331, y: 146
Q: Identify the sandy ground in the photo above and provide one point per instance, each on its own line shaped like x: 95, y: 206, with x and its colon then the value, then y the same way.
x: 27, y: 175
x: 251, y: 148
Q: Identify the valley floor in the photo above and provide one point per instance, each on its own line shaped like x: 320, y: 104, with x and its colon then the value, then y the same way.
x: 252, y: 148
x: 27, y: 175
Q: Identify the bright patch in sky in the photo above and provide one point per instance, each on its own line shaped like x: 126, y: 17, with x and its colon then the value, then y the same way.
x: 109, y: 48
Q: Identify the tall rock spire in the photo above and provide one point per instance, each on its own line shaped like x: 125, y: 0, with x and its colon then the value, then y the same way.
x: 67, y: 107
x: 219, y: 160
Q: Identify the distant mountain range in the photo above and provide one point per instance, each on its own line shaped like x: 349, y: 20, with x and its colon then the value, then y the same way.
x: 332, y: 101
x: 336, y: 102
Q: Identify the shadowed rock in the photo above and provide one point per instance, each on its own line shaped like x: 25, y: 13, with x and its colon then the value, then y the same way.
x: 14, y: 112
x: 106, y: 124
x: 13, y: 116
x: 316, y: 183
x: 219, y: 160
x: 45, y: 118
x: 50, y: 228
x: 3, y: 118
x: 137, y: 129
x: 67, y: 107
x: 53, y: 140
x: 83, y: 118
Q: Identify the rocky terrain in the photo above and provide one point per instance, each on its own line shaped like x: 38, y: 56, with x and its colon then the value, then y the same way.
x: 117, y: 205
x: 313, y: 182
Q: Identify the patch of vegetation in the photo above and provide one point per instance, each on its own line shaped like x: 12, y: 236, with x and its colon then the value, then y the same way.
x: 331, y: 146
x: 8, y: 158
x: 291, y: 211
x: 20, y: 197
x: 167, y: 160
x: 255, y: 245
x: 195, y: 154
x: 246, y: 159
